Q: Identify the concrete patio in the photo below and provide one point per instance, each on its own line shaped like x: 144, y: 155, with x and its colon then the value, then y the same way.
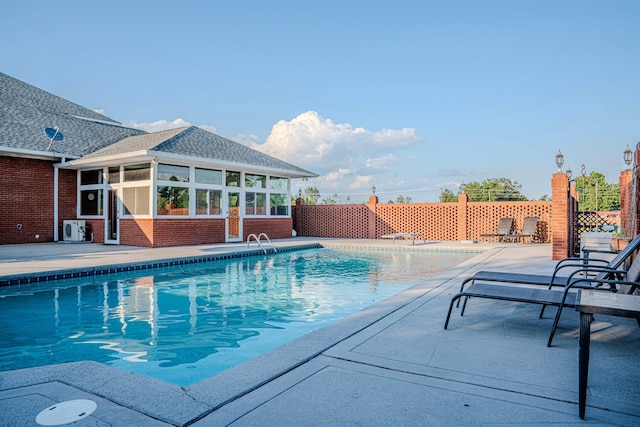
x: 389, y: 364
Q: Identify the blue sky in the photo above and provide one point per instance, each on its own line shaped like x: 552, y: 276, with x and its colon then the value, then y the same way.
x: 409, y: 96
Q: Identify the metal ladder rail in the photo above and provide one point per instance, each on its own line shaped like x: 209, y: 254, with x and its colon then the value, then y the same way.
x: 257, y: 239
x: 275, y: 251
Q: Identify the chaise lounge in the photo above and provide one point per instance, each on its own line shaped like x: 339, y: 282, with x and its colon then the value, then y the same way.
x: 560, y: 298
x: 504, y: 227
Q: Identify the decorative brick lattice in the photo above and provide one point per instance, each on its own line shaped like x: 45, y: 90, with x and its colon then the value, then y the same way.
x: 483, y: 217
x: 436, y: 221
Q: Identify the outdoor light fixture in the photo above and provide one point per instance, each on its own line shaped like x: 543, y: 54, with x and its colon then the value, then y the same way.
x: 559, y: 161
x: 628, y: 155
x: 299, y: 193
x: 568, y: 172
x: 373, y: 190
x: 462, y: 187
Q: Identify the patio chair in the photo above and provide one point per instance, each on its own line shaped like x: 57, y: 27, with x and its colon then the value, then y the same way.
x: 529, y: 229
x: 555, y: 279
x: 504, y: 227
x: 560, y: 298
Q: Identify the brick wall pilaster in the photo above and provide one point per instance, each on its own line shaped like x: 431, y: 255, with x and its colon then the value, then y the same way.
x: 560, y: 216
x: 463, y: 200
x: 371, y: 229
x: 626, y: 202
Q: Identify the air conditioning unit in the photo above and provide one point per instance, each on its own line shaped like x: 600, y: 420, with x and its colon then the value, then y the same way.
x: 74, y: 230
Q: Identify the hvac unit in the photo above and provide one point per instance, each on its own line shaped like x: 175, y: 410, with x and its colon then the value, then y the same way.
x: 74, y: 230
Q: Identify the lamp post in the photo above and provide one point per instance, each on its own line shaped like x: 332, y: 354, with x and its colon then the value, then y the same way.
x: 559, y: 161
x: 628, y: 157
x: 462, y: 187
x: 373, y: 190
x: 569, y: 173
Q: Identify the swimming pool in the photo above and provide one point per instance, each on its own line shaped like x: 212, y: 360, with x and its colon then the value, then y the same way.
x: 186, y: 323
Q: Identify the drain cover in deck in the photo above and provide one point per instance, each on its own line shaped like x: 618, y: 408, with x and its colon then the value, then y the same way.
x: 66, y: 412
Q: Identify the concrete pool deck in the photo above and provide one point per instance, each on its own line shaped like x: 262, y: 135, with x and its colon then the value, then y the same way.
x: 389, y: 364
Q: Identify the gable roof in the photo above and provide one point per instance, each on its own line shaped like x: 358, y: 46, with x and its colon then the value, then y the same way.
x: 196, y: 144
x: 92, y: 138
x: 25, y: 111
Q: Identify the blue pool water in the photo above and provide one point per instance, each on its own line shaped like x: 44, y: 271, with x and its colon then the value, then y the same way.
x: 184, y: 324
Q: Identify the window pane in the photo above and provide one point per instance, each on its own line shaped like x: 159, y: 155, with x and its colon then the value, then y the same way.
x: 249, y: 203
x: 173, y: 173
x: 233, y: 179
x: 91, y: 177
x: 136, y: 200
x: 215, y: 202
x: 261, y: 204
x: 279, y: 204
x: 256, y: 181
x: 114, y: 175
x: 202, y: 203
x: 209, y: 176
x: 281, y: 184
x: 173, y: 200
x: 136, y: 173
x: 91, y: 202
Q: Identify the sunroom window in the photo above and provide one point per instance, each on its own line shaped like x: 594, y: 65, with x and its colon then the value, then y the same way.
x: 255, y: 203
x: 208, y: 202
x: 279, y: 204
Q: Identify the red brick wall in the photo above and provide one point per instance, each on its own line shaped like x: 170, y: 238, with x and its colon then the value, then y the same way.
x: 26, y: 198
x: 275, y: 228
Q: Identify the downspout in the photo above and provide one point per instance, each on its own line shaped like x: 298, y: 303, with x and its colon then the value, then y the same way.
x: 55, y: 198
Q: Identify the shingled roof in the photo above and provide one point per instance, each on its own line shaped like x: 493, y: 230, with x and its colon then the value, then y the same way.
x: 25, y: 111
x: 199, y: 144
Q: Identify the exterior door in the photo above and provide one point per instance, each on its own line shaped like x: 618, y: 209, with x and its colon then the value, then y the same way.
x: 112, y: 220
x: 234, y: 220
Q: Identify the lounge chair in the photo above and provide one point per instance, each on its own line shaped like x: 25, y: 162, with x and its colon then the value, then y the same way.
x: 413, y: 236
x: 504, y: 227
x: 529, y: 229
x: 554, y: 279
x: 560, y: 298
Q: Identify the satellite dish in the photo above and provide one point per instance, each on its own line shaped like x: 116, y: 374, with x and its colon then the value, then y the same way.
x: 54, y: 134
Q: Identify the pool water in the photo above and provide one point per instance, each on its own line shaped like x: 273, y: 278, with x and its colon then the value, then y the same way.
x: 184, y: 324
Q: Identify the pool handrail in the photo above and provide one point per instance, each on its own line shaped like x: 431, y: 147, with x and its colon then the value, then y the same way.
x: 257, y: 239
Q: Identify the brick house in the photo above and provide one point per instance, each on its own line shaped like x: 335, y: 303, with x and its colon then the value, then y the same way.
x: 116, y: 185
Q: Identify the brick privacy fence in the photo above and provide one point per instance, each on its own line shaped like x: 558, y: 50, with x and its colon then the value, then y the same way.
x: 436, y: 221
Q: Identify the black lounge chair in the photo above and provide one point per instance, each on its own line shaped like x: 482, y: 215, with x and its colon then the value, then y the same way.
x: 504, y: 227
x: 529, y: 229
x: 554, y: 279
x: 560, y: 298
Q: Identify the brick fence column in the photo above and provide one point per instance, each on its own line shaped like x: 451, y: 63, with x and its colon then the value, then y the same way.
x: 560, y: 215
x: 298, y: 216
x: 463, y: 233
x: 626, y: 202
x: 371, y: 229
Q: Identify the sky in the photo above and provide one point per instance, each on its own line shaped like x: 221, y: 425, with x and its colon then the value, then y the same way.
x: 410, y: 96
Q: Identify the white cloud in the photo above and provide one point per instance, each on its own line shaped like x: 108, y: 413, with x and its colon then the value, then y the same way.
x: 343, y: 155
x: 165, y: 124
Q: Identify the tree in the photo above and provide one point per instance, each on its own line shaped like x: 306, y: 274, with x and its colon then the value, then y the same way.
x: 597, y: 195
x: 329, y: 200
x: 403, y: 199
x: 494, y: 190
x: 447, y: 196
x: 310, y: 195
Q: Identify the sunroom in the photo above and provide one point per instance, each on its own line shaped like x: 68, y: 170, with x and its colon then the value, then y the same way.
x: 182, y: 186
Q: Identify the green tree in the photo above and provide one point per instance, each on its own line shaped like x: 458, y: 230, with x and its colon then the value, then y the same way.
x: 310, y: 195
x: 448, y: 196
x: 494, y: 190
x: 597, y: 195
x: 329, y: 200
x: 403, y: 199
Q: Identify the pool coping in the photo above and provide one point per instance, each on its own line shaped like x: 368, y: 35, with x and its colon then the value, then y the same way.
x: 179, y: 405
